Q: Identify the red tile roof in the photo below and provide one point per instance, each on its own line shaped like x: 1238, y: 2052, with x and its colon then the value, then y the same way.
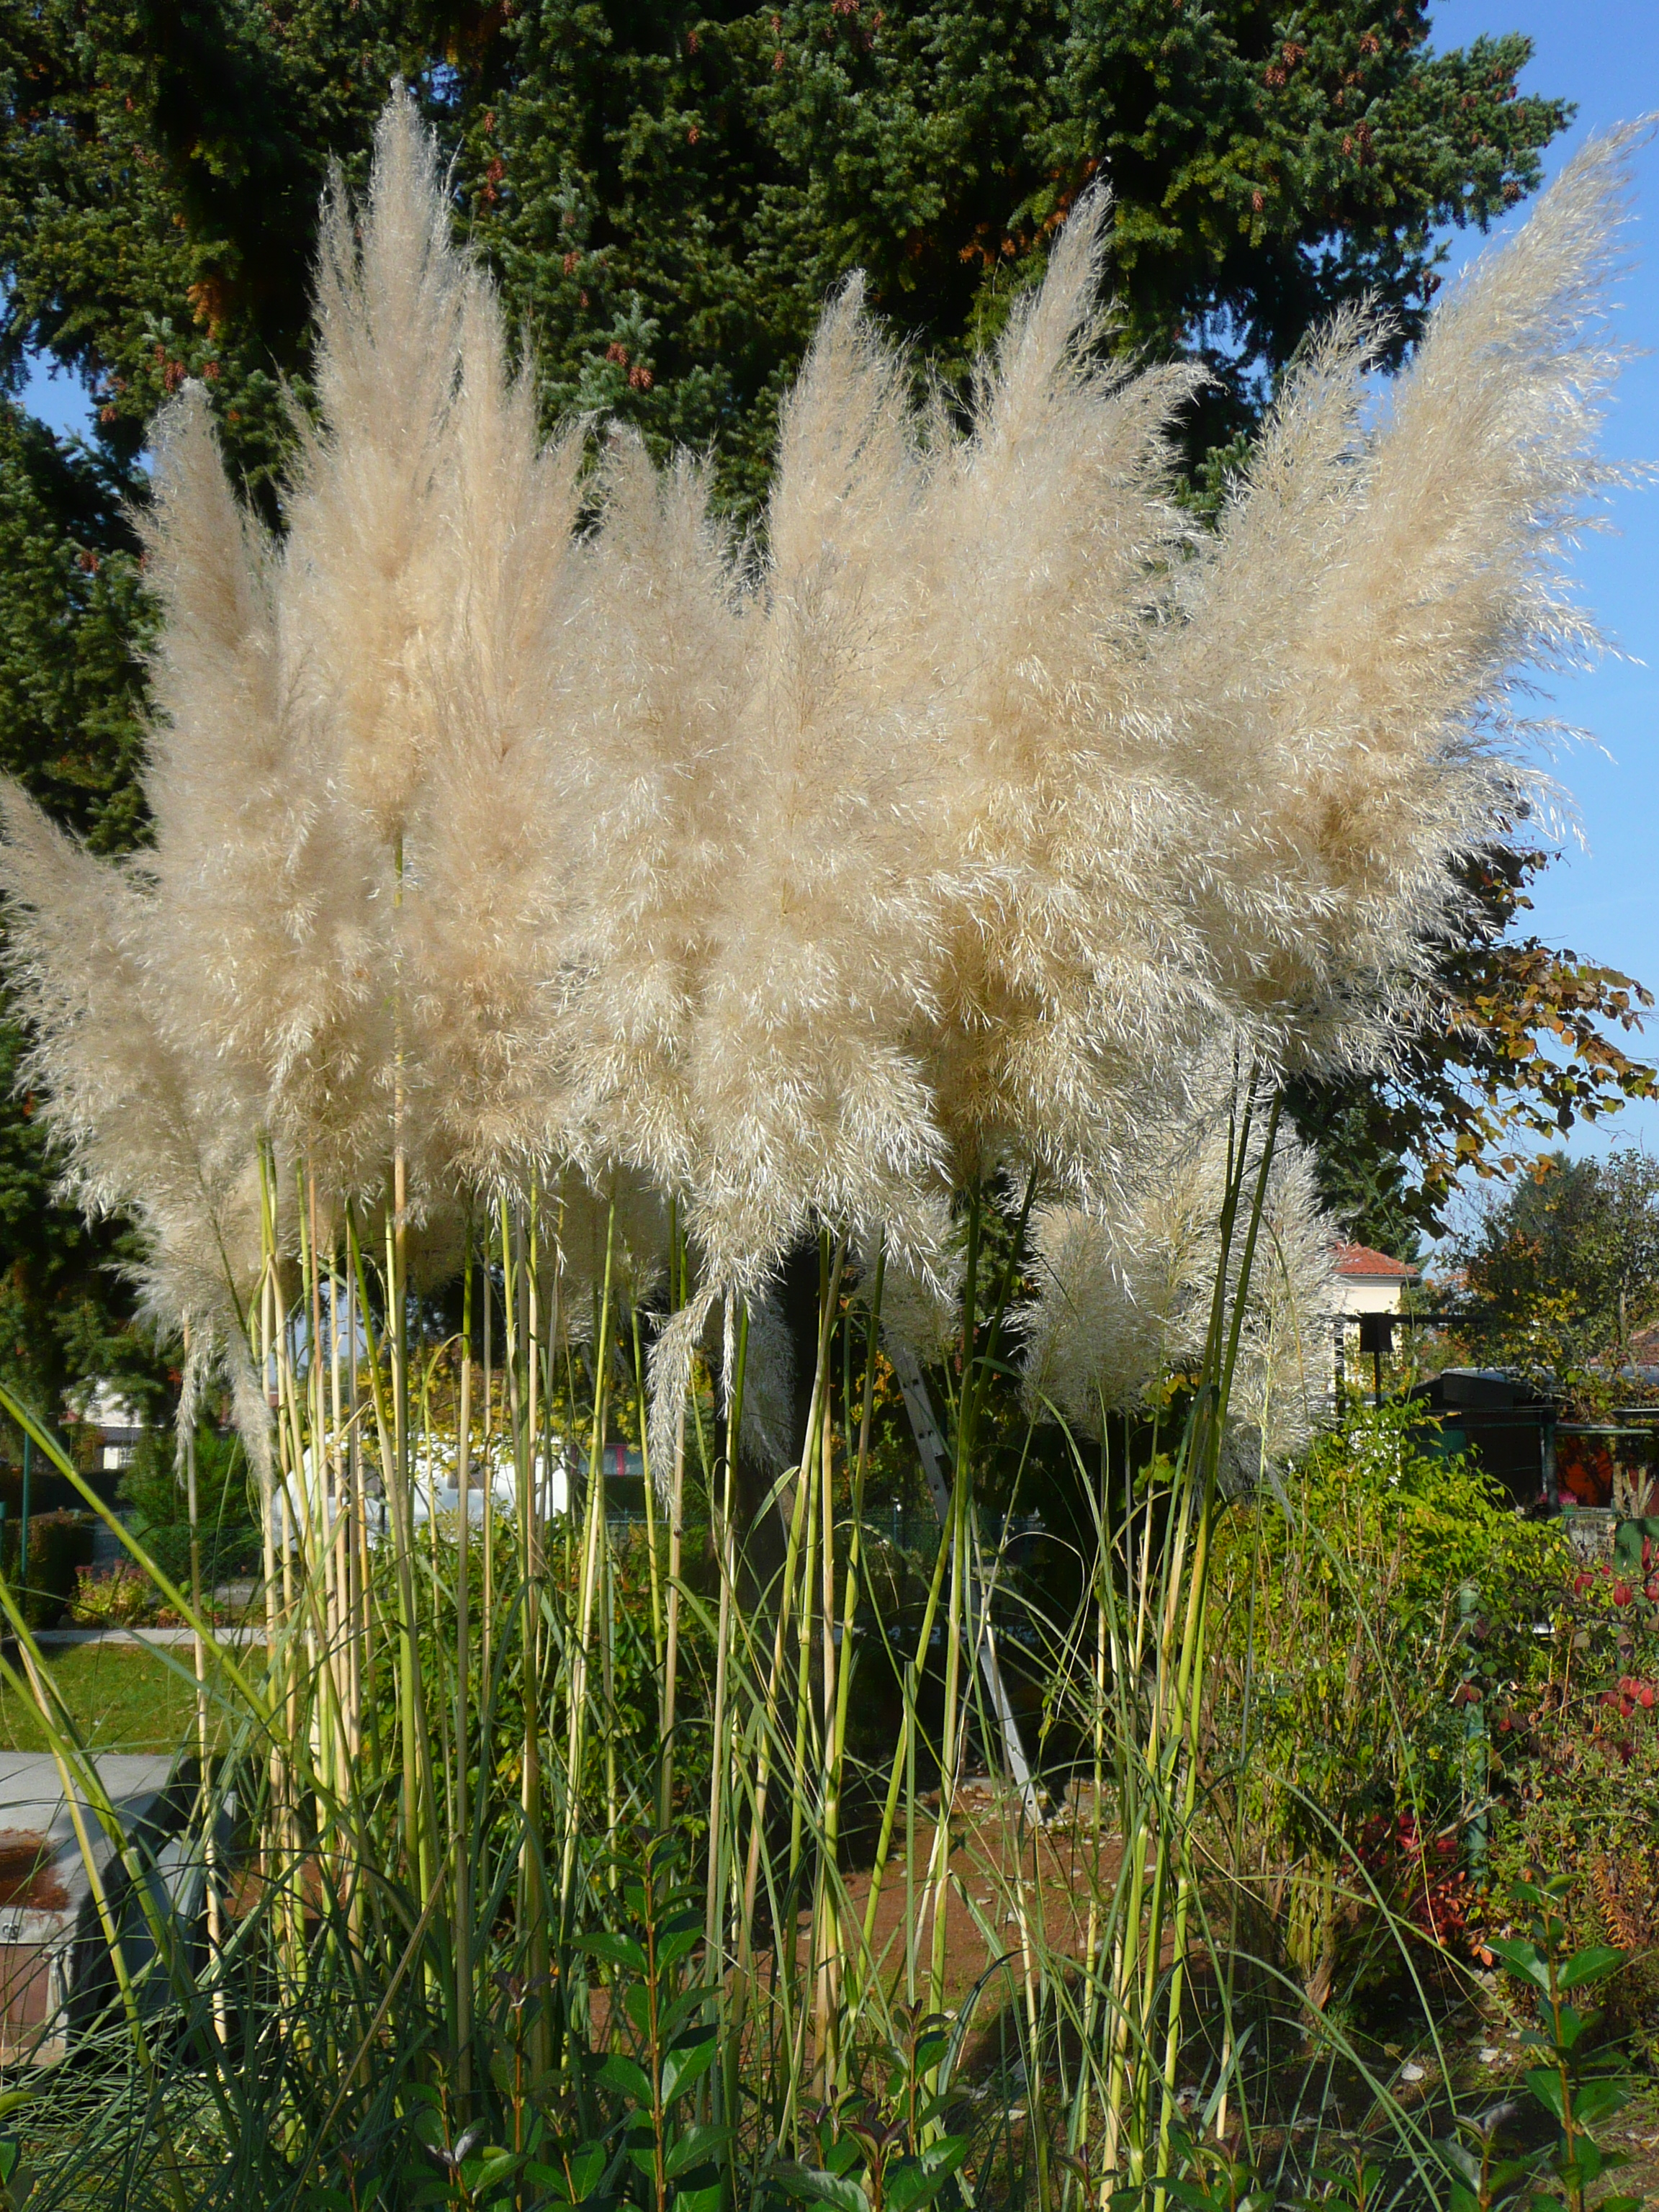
x: 1360, y: 1260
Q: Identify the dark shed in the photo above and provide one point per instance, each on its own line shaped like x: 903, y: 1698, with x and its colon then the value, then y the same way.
x: 1504, y: 1422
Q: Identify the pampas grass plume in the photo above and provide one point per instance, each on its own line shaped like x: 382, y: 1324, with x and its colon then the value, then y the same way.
x: 946, y: 830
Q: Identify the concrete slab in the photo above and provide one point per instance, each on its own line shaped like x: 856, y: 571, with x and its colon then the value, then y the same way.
x: 52, y: 1953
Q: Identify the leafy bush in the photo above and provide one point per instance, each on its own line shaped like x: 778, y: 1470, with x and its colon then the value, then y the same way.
x: 1360, y: 1597
x: 1556, y: 1275
x: 121, y: 1597
x: 154, y: 1488
x: 1576, y: 1770
x: 1574, y: 2079
x: 632, y: 1710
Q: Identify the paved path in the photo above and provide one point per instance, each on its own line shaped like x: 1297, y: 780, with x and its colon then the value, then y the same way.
x: 49, y: 1917
x: 32, y: 1802
x: 167, y: 1638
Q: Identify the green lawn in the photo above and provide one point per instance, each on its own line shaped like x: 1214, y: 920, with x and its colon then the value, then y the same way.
x: 123, y: 1699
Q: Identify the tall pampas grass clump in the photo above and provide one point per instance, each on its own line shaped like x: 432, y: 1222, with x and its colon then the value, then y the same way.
x: 1123, y: 1292
x: 609, y: 927
x: 811, y: 880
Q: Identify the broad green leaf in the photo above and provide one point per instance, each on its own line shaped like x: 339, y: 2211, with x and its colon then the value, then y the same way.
x: 695, y: 2147
x: 616, y: 1950
x: 586, y: 2168
x: 625, y: 2079
x: 1592, y: 2159
x: 1546, y: 2087
x: 945, y: 2155
x: 814, y: 2185
x: 688, y: 2062
x: 1195, y: 2196
x: 700, y: 2200
x: 1592, y: 1964
x: 586, y: 2171
x: 1595, y: 2099
x: 1575, y: 2174
x: 672, y: 2017
x: 1524, y: 1959
x: 908, y: 2187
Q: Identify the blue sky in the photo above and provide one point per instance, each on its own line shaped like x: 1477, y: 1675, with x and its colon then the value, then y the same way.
x: 58, y: 399
x: 1603, y: 901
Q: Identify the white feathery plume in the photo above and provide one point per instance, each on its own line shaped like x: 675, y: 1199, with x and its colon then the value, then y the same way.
x: 367, y: 552
x: 1062, y: 849
x: 286, y: 745
x: 810, y: 1097
x: 1281, y: 1385
x: 487, y: 884
x: 768, y: 1439
x: 921, y: 1311
x: 1343, y: 673
x: 1124, y: 1296
x: 674, y: 1350
x: 1125, y: 1288
x: 647, y: 775
x: 259, y: 933
x: 809, y: 887
x: 363, y: 590
x: 623, y: 1212
x: 144, y: 1132
x: 232, y: 866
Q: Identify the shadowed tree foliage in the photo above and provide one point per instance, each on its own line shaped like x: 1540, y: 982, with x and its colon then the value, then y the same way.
x: 667, y: 196
x: 72, y: 620
x: 1523, y: 1041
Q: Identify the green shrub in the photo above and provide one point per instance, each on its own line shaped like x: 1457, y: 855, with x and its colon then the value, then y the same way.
x: 228, y: 1553
x: 154, y: 1492
x: 60, y: 1545
x: 624, y: 1746
x: 121, y: 1597
x: 1575, y: 1750
x: 154, y: 1488
x: 1360, y: 1598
